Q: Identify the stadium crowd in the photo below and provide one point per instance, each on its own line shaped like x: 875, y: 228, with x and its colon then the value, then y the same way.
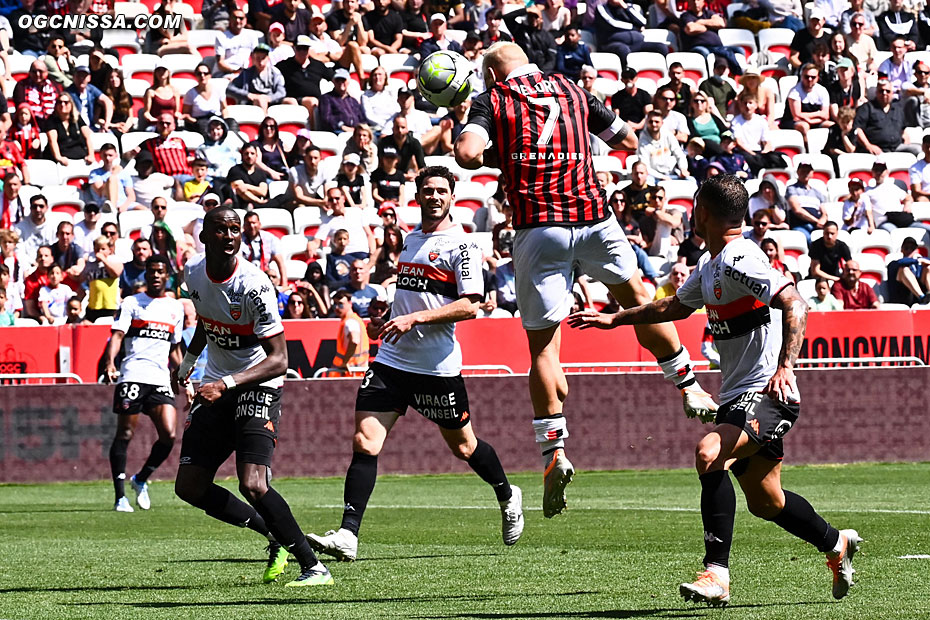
x: 305, y: 117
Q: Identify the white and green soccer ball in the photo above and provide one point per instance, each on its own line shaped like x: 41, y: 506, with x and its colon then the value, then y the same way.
x: 444, y: 78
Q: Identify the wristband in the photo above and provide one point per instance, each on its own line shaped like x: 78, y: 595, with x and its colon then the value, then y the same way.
x: 229, y: 382
x: 187, y: 365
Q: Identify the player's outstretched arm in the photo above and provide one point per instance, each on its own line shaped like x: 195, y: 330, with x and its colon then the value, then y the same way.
x: 794, y: 322
x: 469, y: 150
x: 661, y: 311
x: 462, y: 309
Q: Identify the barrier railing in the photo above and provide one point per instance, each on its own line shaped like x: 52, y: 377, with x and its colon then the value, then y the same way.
x: 33, y: 378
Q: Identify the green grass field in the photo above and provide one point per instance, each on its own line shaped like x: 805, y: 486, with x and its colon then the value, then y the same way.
x: 431, y: 549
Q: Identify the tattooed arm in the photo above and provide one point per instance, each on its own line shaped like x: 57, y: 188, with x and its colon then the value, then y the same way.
x: 794, y: 322
x: 665, y: 309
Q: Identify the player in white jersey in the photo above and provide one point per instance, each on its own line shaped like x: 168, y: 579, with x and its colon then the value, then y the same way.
x: 760, y: 398
x: 419, y: 364
x: 238, y: 403
x: 149, y: 324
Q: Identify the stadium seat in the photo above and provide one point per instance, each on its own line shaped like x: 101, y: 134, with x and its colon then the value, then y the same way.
x: 249, y: 117
x: 804, y: 264
x: 278, y: 222
x: 130, y: 10
x: 807, y: 288
x: 878, y: 243
x: 484, y: 175
x: 834, y: 211
x: 461, y: 174
x: 17, y: 66
x: 773, y: 72
x: 43, y: 172
x: 123, y: 42
x: 293, y: 247
x: 776, y: 41
x: 739, y: 37
x: 607, y: 86
x: 399, y: 66
x: 837, y: 188
x: 134, y: 138
x: 470, y: 195
x: 898, y: 235
x: 872, y: 267
x: 131, y: 223
x: 733, y: 7
x: 858, y: 165
x: 307, y: 220
x: 296, y: 269
x: 693, y: 64
x: 464, y: 216
x: 680, y: 192
x: 817, y: 139
x: 660, y: 264
x: 660, y: 35
x: 787, y: 141
x: 792, y: 242
x: 276, y: 188
x: 139, y: 66
x: 822, y: 164
x: 608, y: 65
x: 204, y: 41
x: 290, y: 118
x: 98, y: 139
x: 921, y: 211
x: 647, y: 64
x: 611, y: 164
x: 408, y: 215
x: 329, y: 143
x: 899, y: 165
x: 785, y: 84
x: 24, y: 322
x: 182, y: 65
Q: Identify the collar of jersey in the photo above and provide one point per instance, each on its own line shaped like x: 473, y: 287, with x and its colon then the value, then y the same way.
x: 524, y: 70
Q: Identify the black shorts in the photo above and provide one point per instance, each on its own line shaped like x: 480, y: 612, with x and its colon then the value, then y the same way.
x: 132, y: 398
x: 440, y: 399
x: 764, y: 419
x: 244, y: 420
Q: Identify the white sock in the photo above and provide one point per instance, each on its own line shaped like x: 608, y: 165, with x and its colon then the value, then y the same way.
x: 721, y: 571
x: 550, y: 433
x: 677, y: 369
x: 838, y: 548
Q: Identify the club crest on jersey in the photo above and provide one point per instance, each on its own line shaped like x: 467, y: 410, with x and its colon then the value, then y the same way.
x: 235, y: 310
x: 433, y: 256
x: 718, y: 290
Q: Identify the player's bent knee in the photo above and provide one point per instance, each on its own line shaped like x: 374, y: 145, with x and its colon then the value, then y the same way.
x: 253, y: 490
x: 462, y: 451
x: 765, y: 507
x: 706, y: 454
x: 366, y: 445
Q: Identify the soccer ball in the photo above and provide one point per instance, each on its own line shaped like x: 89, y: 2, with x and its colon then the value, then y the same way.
x: 444, y: 78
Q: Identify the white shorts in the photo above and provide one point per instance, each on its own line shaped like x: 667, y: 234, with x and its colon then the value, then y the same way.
x: 545, y: 259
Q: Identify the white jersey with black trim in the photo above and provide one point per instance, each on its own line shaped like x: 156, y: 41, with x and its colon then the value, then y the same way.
x: 237, y: 314
x: 434, y: 270
x: 737, y: 287
x: 151, y: 326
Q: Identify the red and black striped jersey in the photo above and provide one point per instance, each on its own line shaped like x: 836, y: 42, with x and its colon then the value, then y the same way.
x: 540, y: 126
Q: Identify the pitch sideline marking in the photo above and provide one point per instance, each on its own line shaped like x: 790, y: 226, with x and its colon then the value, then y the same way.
x: 650, y: 508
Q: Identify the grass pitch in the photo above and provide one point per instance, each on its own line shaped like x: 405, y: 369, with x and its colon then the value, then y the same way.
x: 431, y: 548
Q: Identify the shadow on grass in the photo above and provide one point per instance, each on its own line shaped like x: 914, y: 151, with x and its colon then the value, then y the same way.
x: 304, y: 601
x: 26, y: 511
x: 92, y: 589
x: 385, y: 558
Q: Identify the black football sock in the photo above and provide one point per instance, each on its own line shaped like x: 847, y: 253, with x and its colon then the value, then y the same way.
x: 718, y: 510
x: 360, y: 482
x: 277, y: 514
x: 226, y: 507
x: 118, y: 450
x: 488, y: 467
x: 157, y: 456
x: 798, y: 517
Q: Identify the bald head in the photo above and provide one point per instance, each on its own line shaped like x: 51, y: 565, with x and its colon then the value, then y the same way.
x: 501, y: 59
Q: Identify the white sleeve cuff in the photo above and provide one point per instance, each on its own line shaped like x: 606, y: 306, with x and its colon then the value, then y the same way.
x: 617, y: 128
x: 477, y: 129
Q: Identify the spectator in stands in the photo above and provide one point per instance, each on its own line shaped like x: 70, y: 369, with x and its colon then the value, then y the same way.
x: 761, y: 222
x: 216, y: 13
x: 202, y: 102
x: 916, y: 96
x: 234, y: 46
x: 704, y: 124
x: 101, y: 275
x: 440, y: 139
x: 676, y: 277
x: 387, y: 257
x: 88, y: 229
x: 35, y: 230
x: 857, y: 208
x: 9, y: 261
x: 896, y: 68
x: 896, y: 22
x: 53, y: 297
x: 751, y: 134
x: 58, y: 61
x: 439, y: 41
x: 7, y: 317
x: 699, y: 26
x: 823, y: 300
x: 851, y: 292
x: 163, y: 41
x: 169, y: 153
x: 538, y: 43
x: 909, y: 277
x: 292, y: 18
x: 660, y: 151
x: 149, y: 184
x: 273, y: 159
x: 697, y: 163
x: 352, y: 344
x: 729, y: 158
x: 409, y: 150
x: 260, y: 247
x: 556, y: 17
x: 919, y: 174
x: 869, y: 26
x: 631, y: 103
x: 338, y: 261
x: 247, y: 180
x: 348, y: 30
x: 829, y: 254
x: 387, y: 181
x: 718, y: 87
x: 302, y: 75
x: 361, y: 291
x: 261, y: 83
x: 110, y: 230
x: 691, y: 249
x: 862, y: 47
x: 618, y: 26
x: 12, y: 209
x: 842, y: 137
x: 38, y: 92
x: 305, y: 181
x: 846, y: 90
x: 385, y: 28
x: 196, y: 187
x: 111, y: 183
x: 315, y: 289
x: 123, y: 119
x: 339, y: 111
x: 378, y: 103
x: 682, y: 89
x: 25, y: 130
x: 808, y: 103
x: 751, y: 81
x: 297, y: 307
x: 165, y: 244
x: 160, y: 98
x: 660, y: 224
x: 805, y: 203
x: 419, y: 122
x: 91, y: 105
x: 891, y: 205
x: 361, y: 238
x: 132, y: 278
x: 769, y: 200
x: 802, y: 45
x: 27, y: 39
x: 355, y: 186
x: 219, y: 149
x: 825, y: 65
x: 34, y: 282
x: 492, y: 33
x: 636, y: 194
x: 68, y: 254
x: 573, y: 54
x: 775, y: 256
x: 69, y: 138
x: 672, y: 121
